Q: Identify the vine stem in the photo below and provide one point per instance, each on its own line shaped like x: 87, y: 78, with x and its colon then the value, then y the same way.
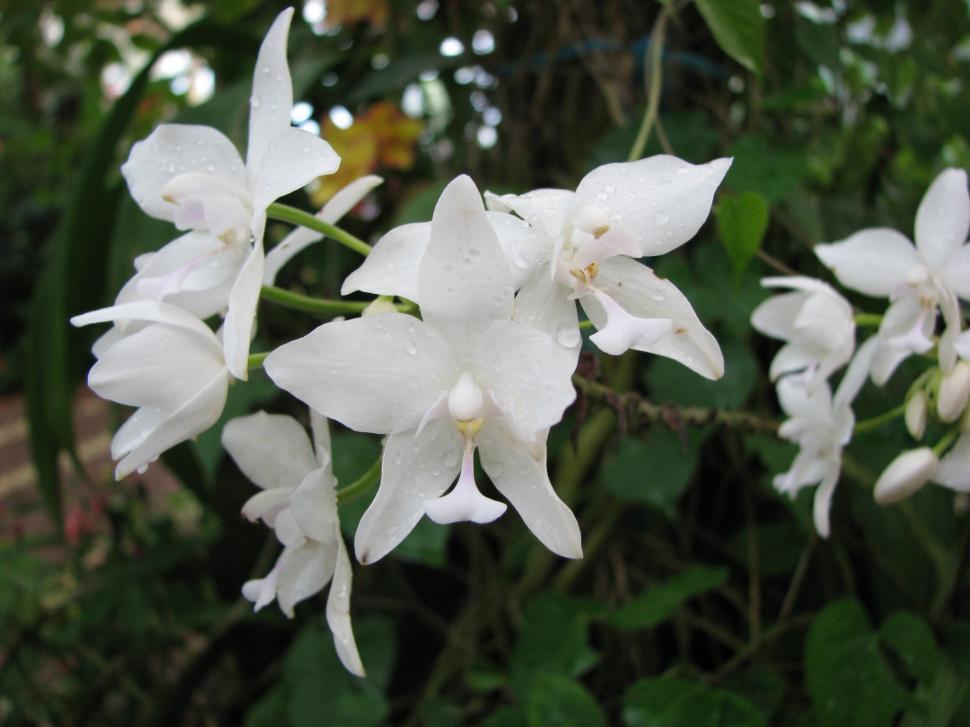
x: 867, y: 425
x: 670, y: 414
x: 285, y: 213
x: 362, y: 484
x: 872, y: 320
x: 655, y: 51
x: 309, y: 304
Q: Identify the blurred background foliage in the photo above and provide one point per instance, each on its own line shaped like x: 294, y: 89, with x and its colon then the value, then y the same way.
x: 705, y: 598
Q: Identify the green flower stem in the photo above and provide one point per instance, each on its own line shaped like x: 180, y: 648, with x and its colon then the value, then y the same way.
x: 285, y: 213
x: 867, y: 425
x: 945, y: 441
x: 655, y: 50
x: 362, y: 484
x: 309, y: 304
x: 255, y: 360
x: 871, y: 320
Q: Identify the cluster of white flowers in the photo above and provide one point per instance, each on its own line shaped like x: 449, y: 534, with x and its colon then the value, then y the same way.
x: 818, y: 325
x: 487, y: 367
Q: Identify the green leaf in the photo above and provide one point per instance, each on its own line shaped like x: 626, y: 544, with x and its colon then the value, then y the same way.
x: 741, y: 223
x: 654, y: 470
x: 739, y: 29
x: 669, y: 702
x: 847, y: 679
x: 557, y: 701
x: 316, y: 684
x: 766, y: 167
x: 662, y: 601
x: 668, y: 381
x: 911, y: 638
x: 552, y: 640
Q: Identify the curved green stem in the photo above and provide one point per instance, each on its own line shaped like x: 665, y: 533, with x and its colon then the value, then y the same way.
x: 309, y: 304
x: 656, y: 50
x: 255, y: 360
x: 867, y: 425
x: 294, y: 216
x: 945, y: 441
x: 871, y: 320
x: 362, y: 484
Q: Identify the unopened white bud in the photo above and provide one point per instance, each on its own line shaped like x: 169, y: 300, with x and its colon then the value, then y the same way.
x: 465, y: 399
x: 905, y: 475
x: 954, y: 392
x: 378, y: 306
x: 916, y: 414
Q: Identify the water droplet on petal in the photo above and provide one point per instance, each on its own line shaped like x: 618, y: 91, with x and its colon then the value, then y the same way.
x: 661, y: 218
x: 657, y: 295
x: 568, y: 336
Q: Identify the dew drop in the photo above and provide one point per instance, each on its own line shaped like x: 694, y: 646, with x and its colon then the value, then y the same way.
x: 568, y: 336
x: 657, y: 295
x: 661, y: 218
x: 409, y: 347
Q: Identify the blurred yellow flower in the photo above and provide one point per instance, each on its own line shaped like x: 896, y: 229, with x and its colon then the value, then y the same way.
x: 345, y: 12
x: 382, y: 137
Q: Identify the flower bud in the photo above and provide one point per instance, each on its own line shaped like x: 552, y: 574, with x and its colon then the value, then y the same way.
x: 905, y: 475
x: 916, y: 414
x: 954, y: 392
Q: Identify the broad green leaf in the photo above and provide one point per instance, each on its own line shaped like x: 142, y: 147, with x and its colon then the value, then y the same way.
x: 739, y: 28
x: 668, y: 381
x: 762, y: 165
x: 557, y: 701
x: 654, y: 470
x: 317, y: 685
x: 847, y: 678
x: 911, y: 639
x: 662, y: 601
x: 741, y: 223
x: 669, y: 702
x: 552, y: 640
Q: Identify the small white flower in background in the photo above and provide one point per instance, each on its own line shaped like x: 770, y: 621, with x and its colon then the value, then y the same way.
x: 821, y: 425
x: 918, y: 280
x: 169, y: 365
x: 299, y: 502
x: 815, y: 322
x: 465, y: 377
x: 567, y: 245
x: 954, y: 469
x: 193, y: 176
x: 915, y: 415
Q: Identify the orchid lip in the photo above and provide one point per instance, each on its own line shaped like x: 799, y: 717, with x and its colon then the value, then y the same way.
x: 465, y: 502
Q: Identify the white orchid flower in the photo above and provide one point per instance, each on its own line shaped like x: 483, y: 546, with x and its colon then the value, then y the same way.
x: 465, y: 377
x: 815, y: 322
x: 618, y: 212
x: 918, y: 279
x: 170, y: 365
x: 954, y: 469
x: 193, y: 176
x: 573, y: 244
x: 299, y: 501
x: 821, y: 425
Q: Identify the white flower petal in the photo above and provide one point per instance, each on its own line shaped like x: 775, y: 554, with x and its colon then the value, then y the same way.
x: 657, y: 203
x: 523, y: 481
x: 544, y: 209
x: 320, y: 429
x: 271, y: 100
x: 314, y: 506
x: 265, y: 505
x: 855, y: 375
x: 286, y: 529
x: 526, y: 375
x: 525, y: 247
x: 823, y: 501
x: 644, y: 294
x: 954, y: 469
x: 148, y: 312
x: 465, y: 502
x: 272, y: 450
x: 304, y: 571
x: 189, y: 420
x: 775, y: 317
x: 943, y: 218
x: 376, y: 374
x: 414, y: 470
x: 464, y: 280
x: 158, y: 367
x: 172, y: 150
x: 544, y: 304
x: 302, y: 237
x: 237, y: 332
x: 391, y: 268
x: 876, y: 261
x: 338, y: 611
x: 293, y: 158
x: 956, y: 272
